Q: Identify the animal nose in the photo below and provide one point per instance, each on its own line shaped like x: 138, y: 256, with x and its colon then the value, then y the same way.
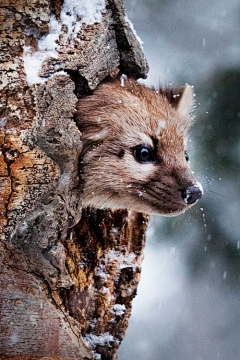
x: 192, y: 193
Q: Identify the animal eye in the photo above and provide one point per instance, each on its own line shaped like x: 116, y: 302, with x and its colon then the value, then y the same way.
x: 186, y: 156
x: 144, y: 154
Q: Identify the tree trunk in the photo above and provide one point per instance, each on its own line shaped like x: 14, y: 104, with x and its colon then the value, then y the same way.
x: 68, y: 275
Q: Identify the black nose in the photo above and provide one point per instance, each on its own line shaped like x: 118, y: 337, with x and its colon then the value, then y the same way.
x: 191, y: 194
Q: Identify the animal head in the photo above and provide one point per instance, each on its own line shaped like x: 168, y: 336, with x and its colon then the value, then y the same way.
x: 134, y: 149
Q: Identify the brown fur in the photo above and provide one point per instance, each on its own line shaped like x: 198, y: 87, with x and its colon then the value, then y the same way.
x: 114, y: 120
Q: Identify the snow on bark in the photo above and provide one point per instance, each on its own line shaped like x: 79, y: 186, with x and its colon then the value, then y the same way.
x: 73, y: 15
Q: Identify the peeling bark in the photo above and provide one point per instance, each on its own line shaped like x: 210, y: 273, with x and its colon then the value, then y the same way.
x: 68, y: 275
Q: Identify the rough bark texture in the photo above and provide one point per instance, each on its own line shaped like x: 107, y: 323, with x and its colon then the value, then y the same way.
x: 68, y: 275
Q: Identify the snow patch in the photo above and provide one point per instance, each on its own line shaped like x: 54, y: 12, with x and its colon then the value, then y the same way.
x: 104, y: 290
x: 199, y: 185
x: 46, y: 49
x: 123, y: 78
x: 3, y: 122
x: 118, y: 309
x: 74, y: 13
x: 188, y: 195
x: 104, y: 340
x: 124, y: 261
x: 133, y: 30
x: 88, y: 12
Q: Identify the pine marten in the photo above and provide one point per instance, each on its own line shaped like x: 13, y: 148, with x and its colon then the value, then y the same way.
x: 134, y: 148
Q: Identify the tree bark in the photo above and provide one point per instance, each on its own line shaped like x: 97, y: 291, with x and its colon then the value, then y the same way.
x: 68, y: 275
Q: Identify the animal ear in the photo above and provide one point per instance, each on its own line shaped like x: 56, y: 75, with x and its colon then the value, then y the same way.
x: 186, y: 101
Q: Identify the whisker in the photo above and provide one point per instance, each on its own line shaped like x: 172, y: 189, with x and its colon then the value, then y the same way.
x: 216, y: 193
x: 156, y: 196
x: 104, y: 199
x: 108, y: 199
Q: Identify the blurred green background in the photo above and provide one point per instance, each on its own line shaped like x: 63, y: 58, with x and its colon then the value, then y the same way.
x: 188, y: 302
